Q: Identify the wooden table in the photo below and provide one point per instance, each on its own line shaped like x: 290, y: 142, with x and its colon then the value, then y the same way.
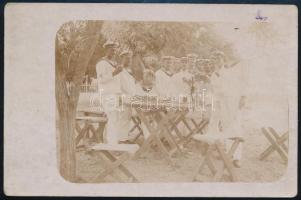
x: 160, y: 118
x: 90, y: 116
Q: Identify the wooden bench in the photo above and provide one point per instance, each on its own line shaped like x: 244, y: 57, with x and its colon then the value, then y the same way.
x: 112, y: 163
x: 215, y: 143
x: 278, y: 143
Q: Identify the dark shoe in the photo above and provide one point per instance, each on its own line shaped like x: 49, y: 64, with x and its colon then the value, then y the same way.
x: 236, y: 163
x: 125, y: 142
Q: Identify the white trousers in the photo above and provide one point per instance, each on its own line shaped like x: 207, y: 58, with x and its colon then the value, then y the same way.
x: 238, y: 153
x: 236, y: 129
x: 118, y: 125
x: 229, y: 127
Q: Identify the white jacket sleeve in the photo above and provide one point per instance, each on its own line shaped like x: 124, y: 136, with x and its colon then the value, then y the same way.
x: 127, y: 84
x: 104, y: 72
x: 160, y: 84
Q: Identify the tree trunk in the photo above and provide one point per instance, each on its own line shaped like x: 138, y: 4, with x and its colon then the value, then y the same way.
x: 67, y: 113
x: 67, y: 105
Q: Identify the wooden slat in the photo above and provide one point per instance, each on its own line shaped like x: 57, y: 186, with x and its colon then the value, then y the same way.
x: 131, y: 148
x: 226, y: 160
x: 91, y: 119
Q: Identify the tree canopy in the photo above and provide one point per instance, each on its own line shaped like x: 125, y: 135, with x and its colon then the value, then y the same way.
x: 166, y: 38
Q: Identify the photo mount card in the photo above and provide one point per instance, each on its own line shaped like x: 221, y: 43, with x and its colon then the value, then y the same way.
x: 175, y: 100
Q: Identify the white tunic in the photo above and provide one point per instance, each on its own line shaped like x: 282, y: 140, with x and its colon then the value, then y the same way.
x: 127, y: 83
x: 109, y: 88
x: 163, y: 83
x: 179, y: 87
x: 141, y: 92
x: 106, y: 81
x: 234, y: 82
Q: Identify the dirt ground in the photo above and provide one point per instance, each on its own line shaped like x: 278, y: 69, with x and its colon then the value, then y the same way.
x: 153, y: 167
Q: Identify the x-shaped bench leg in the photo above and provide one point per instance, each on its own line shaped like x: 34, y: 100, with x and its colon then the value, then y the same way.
x: 152, y: 139
x: 207, y: 160
x: 137, y: 123
x: 121, y: 167
x: 275, y: 145
x: 225, y: 158
x: 166, y: 131
x: 280, y: 139
x: 198, y: 128
x: 174, y: 123
x: 81, y: 131
x: 116, y: 163
x: 97, y: 132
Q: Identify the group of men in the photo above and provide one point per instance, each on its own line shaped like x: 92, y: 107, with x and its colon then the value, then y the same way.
x: 176, y: 77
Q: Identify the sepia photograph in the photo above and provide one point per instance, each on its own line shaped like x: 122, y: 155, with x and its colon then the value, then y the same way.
x: 169, y: 102
x: 150, y: 100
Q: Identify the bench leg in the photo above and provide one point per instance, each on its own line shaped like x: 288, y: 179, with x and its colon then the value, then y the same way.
x: 273, y: 147
x: 205, y: 161
x: 226, y: 158
x: 81, y: 132
x: 280, y: 139
x: 121, y: 166
x: 111, y: 167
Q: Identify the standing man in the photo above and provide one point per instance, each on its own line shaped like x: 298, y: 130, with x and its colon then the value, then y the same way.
x: 109, y: 88
x: 128, y: 87
x: 234, y: 80
x: 228, y: 90
x: 163, y: 77
x: 127, y: 80
x: 185, y: 76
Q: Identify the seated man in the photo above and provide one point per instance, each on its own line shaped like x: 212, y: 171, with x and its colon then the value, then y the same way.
x: 179, y: 87
x: 146, y: 88
x: 147, y: 85
x: 189, y: 78
x: 236, y: 128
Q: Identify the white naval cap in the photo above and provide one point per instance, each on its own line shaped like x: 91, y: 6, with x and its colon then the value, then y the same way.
x: 110, y: 43
x: 167, y: 57
x: 192, y: 55
x: 218, y: 53
x: 124, y: 53
x: 183, y: 59
x: 203, y: 60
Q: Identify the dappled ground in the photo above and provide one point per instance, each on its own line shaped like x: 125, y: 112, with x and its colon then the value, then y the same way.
x: 153, y: 167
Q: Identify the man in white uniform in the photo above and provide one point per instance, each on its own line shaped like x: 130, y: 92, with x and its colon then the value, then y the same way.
x: 127, y: 80
x: 232, y: 117
x: 228, y: 104
x: 163, y: 77
x: 147, y: 86
x: 109, y: 88
x: 180, y: 73
x: 128, y: 88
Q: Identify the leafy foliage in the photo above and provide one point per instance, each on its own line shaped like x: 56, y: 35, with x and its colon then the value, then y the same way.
x: 166, y: 38
x: 71, y: 41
